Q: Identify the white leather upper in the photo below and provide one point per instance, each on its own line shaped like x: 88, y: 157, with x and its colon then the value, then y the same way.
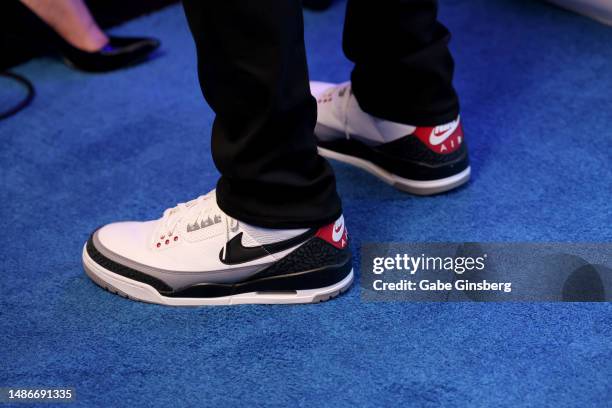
x: 339, y: 115
x: 149, y: 243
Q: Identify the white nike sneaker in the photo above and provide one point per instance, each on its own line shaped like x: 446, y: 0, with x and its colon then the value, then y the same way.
x: 419, y: 160
x: 197, y: 255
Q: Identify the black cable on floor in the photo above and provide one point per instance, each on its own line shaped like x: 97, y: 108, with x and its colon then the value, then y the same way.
x: 25, y: 101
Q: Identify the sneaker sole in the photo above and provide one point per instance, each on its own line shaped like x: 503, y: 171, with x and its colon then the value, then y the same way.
x: 417, y: 187
x: 136, y: 290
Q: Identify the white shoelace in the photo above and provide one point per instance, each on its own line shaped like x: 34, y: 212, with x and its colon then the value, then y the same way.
x: 198, y: 207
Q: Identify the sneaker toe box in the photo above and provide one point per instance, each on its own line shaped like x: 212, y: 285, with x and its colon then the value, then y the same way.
x: 129, y: 240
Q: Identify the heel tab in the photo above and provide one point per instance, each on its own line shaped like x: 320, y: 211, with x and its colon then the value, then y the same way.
x: 335, y: 233
x: 442, y: 139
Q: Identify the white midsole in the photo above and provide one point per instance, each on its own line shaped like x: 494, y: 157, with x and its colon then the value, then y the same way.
x: 420, y: 187
x: 147, y: 293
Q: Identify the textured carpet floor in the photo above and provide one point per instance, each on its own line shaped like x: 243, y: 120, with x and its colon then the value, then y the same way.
x: 536, y: 88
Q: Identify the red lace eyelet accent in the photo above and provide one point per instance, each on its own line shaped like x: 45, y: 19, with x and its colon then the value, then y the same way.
x: 167, y: 241
x: 176, y: 238
x: 158, y: 244
x: 162, y: 237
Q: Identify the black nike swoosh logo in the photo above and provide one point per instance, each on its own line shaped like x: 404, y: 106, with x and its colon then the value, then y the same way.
x: 236, y: 253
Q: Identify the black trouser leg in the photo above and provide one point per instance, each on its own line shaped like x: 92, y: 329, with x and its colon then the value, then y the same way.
x: 252, y: 70
x: 403, y: 68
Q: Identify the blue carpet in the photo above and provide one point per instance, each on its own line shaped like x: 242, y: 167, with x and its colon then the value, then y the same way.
x: 535, y: 83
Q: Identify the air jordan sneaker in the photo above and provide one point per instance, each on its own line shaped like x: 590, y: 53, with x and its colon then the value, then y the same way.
x: 419, y: 160
x: 195, y: 254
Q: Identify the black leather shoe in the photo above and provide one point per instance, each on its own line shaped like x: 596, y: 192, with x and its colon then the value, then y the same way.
x: 120, y: 52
